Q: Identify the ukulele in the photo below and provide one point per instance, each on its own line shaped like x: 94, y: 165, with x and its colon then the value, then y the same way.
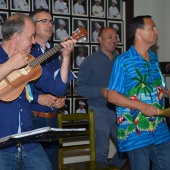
x: 14, y: 83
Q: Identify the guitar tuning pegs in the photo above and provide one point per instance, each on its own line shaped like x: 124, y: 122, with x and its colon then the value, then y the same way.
x: 76, y: 30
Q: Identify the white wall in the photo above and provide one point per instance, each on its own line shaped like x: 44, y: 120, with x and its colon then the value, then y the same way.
x: 160, y: 11
x: 167, y: 33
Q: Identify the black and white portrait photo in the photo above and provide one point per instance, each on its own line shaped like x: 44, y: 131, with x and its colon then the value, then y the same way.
x: 80, y: 52
x: 96, y: 25
x: 80, y: 7
x: 81, y: 23
x: 20, y: 5
x: 98, y: 8
x: 61, y: 28
x: 118, y: 25
x: 114, y: 9
x: 41, y: 4
x: 3, y: 4
x: 61, y: 7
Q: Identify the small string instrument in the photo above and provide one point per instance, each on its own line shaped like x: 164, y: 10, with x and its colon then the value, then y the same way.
x: 13, y: 84
x: 164, y: 112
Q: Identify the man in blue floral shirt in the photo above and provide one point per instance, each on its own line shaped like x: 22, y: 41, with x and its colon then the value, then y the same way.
x: 136, y: 87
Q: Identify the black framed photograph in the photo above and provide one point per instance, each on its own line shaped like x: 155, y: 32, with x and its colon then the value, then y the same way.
x: 38, y: 4
x: 95, y: 26
x: 66, y: 109
x: 4, y: 4
x: 80, y: 52
x: 98, y: 8
x: 20, y: 5
x: 61, y: 28
x: 120, y: 49
x: 80, y: 105
x: 68, y: 15
x: 3, y: 17
x: 80, y: 7
x: 81, y: 23
x: 118, y: 25
x: 114, y: 9
x: 61, y: 7
x: 94, y: 48
x: 26, y: 13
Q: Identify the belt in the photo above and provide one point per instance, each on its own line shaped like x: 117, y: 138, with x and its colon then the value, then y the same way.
x: 47, y: 115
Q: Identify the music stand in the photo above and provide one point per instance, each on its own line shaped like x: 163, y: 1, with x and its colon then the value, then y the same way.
x: 45, y: 134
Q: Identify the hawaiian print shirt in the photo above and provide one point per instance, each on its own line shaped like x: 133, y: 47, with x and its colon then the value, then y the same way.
x: 138, y: 79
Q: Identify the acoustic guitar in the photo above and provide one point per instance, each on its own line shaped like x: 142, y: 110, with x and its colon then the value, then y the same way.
x: 13, y: 84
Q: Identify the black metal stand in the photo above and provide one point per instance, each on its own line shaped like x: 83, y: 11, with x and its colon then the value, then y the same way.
x: 48, y: 135
x: 20, y: 156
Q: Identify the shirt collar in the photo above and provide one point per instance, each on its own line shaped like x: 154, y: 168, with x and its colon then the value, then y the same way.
x: 47, y: 46
x: 4, y: 55
x: 115, y: 54
x: 134, y: 53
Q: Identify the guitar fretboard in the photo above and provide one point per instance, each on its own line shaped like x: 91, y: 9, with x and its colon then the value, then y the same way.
x: 45, y: 56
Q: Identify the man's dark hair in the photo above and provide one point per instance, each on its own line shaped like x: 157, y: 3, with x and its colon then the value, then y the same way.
x: 104, y: 28
x: 33, y: 14
x: 134, y: 24
x: 100, y: 32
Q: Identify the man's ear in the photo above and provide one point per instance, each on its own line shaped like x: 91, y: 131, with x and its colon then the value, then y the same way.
x: 99, y: 39
x: 138, y: 32
x: 15, y: 36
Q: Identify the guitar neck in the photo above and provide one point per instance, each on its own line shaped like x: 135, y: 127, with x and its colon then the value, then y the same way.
x: 79, y: 33
x: 37, y: 61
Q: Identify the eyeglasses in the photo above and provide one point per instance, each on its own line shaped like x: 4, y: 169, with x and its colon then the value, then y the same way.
x: 46, y: 21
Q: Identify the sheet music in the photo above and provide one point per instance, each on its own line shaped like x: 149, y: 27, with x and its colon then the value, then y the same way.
x: 39, y: 131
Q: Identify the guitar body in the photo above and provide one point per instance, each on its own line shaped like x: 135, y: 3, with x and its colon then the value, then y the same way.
x: 13, y: 84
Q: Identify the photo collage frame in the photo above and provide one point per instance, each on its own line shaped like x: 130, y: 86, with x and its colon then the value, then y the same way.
x: 74, y: 16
